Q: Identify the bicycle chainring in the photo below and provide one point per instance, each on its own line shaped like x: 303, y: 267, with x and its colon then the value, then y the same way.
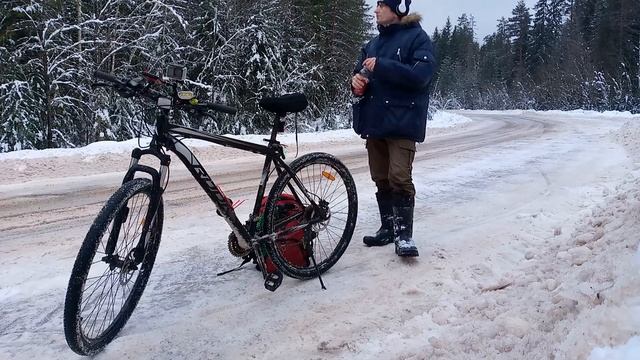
x: 234, y: 247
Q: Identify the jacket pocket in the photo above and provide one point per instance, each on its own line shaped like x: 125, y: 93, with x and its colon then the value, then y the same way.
x: 400, y: 106
x: 399, y: 118
x: 405, y: 153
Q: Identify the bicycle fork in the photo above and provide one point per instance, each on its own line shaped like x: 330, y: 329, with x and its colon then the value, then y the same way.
x: 159, y: 180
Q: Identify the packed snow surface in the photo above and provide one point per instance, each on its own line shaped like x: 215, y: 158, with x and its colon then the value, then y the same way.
x: 527, y: 225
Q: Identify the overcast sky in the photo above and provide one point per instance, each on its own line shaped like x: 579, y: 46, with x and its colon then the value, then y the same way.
x: 486, y: 12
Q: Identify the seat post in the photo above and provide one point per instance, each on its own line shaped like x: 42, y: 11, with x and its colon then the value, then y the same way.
x: 278, y: 126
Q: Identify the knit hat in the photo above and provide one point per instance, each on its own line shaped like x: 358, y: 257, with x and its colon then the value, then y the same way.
x: 396, y: 6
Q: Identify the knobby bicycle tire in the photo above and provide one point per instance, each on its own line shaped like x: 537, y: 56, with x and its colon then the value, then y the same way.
x: 80, y: 334
x: 329, y: 180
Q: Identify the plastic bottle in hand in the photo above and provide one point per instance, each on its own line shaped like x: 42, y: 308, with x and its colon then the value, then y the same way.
x: 364, y: 73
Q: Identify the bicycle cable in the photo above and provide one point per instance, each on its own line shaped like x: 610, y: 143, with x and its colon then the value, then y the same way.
x: 296, y: 125
x: 142, y: 123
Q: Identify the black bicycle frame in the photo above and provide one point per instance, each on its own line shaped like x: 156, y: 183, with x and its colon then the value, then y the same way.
x: 168, y: 135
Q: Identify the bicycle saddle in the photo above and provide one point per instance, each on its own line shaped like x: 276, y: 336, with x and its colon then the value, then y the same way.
x: 290, y: 103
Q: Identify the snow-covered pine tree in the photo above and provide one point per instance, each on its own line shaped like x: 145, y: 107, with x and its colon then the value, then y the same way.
x: 236, y: 51
x: 541, y: 39
x: 19, y: 129
x: 495, y: 68
x: 46, y: 58
x: 519, y: 30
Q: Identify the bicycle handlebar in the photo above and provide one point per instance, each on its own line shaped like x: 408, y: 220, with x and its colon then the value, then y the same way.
x: 141, y: 89
x: 221, y: 108
x: 107, y: 77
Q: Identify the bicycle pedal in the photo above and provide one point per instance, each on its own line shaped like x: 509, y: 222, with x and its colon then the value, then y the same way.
x: 273, y: 281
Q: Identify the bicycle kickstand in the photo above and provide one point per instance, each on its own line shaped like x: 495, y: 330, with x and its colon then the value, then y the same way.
x: 313, y: 258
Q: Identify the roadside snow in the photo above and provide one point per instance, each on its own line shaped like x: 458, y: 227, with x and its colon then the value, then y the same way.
x: 440, y: 120
x: 443, y: 119
x: 623, y: 298
x: 629, y: 351
x: 529, y: 250
x: 583, y: 114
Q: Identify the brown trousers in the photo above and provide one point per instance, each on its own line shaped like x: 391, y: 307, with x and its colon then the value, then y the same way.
x: 391, y: 164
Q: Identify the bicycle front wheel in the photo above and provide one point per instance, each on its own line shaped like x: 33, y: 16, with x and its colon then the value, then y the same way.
x: 112, y: 268
x: 328, y: 228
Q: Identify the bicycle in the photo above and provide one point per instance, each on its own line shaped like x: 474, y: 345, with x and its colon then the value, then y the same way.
x: 117, y: 255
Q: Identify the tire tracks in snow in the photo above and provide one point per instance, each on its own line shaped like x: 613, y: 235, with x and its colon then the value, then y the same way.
x: 25, y: 215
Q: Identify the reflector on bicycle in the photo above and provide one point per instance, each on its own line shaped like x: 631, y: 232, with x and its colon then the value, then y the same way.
x: 328, y: 175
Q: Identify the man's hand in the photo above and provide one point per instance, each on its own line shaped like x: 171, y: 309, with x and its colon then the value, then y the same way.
x: 369, y: 63
x: 359, y: 83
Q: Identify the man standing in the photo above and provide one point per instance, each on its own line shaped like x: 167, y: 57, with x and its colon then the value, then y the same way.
x: 392, y: 80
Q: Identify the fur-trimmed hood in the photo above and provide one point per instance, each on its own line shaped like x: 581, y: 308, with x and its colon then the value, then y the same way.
x: 411, y: 19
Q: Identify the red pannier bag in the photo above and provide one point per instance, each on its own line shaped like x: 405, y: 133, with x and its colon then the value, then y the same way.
x: 291, y: 245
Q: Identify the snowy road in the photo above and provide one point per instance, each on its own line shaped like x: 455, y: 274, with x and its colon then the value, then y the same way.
x: 508, y: 206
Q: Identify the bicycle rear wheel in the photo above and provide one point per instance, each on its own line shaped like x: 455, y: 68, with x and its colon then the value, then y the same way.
x: 327, y: 229
x: 112, y: 268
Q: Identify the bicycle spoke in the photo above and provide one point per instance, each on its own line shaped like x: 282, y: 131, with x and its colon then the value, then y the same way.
x: 330, y: 240
x: 346, y: 198
x: 96, y: 310
x: 330, y: 184
x: 110, y: 308
x: 323, y: 181
x: 104, y: 300
x: 127, y: 225
x: 130, y: 223
x: 86, y: 301
x: 100, y: 280
x: 102, y: 295
x: 340, y: 215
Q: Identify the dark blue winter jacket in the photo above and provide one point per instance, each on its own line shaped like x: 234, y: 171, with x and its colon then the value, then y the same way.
x: 396, y: 99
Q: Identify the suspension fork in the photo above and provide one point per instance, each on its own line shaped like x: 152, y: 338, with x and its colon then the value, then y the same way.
x: 159, y: 179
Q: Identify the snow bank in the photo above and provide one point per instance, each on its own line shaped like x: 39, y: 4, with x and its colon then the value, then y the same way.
x: 572, y: 113
x: 592, y: 114
x: 627, y: 309
x: 440, y: 120
x: 443, y: 119
x: 629, y: 137
x: 97, y: 148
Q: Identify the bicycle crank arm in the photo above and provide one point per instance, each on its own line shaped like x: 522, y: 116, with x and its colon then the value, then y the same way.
x: 273, y: 280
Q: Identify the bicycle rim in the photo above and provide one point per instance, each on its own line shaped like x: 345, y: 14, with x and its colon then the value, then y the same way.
x: 112, y: 279
x: 330, y: 185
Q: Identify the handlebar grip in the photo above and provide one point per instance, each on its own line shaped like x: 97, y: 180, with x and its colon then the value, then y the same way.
x: 223, y: 108
x: 107, y: 77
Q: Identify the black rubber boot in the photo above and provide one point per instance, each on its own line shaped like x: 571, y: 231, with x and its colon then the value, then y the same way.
x: 384, y: 235
x: 403, y: 210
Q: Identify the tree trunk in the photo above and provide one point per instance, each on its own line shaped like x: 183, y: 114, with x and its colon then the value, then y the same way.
x: 47, y: 107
